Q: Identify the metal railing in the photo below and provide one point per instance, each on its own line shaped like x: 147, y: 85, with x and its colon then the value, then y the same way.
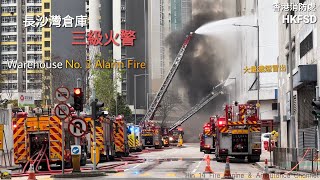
x: 307, y: 159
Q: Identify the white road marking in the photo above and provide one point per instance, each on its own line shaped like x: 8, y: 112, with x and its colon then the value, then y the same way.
x: 133, y: 167
x: 197, y: 167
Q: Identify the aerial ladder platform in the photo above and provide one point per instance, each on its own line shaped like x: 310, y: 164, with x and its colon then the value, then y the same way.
x: 217, y: 90
x: 153, y: 107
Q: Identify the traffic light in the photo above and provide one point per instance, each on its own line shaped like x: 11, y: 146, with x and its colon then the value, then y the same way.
x: 95, y: 109
x: 78, y: 99
x: 316, y: 108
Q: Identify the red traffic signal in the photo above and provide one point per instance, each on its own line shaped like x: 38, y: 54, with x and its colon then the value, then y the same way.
x: 77, y: 91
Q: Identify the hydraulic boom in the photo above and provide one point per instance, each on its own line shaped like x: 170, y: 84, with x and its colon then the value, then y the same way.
x: 204, y: 101
x: 153, y: 107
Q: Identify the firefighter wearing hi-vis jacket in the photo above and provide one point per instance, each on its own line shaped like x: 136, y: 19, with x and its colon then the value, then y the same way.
x: 274, y: 137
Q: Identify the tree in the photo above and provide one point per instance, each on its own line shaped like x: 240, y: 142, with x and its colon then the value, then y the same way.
x: 68, y: 76
x: 103, y: 84
x: 120, y: 106
x: 168, y: 104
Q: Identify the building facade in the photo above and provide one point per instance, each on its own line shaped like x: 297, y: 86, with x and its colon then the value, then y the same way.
x: 25, y: 44
x: 116, y: 16
x: 305, y: 57
x: 256, y: 53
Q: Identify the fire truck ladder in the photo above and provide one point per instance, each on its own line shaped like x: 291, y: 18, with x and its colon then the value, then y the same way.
x: 153, y: 107
x: 204, y: 101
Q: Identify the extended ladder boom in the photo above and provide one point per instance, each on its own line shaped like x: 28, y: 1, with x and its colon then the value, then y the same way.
x: 167, y: 81
x: 204, y: 101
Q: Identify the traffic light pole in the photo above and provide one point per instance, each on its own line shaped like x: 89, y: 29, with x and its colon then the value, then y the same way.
x: 318, y: 126
x: 93, y: 114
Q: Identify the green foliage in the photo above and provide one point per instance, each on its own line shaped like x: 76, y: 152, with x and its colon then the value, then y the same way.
x: 103, y: 84
x: 13, y: 102
x: 120, y: 106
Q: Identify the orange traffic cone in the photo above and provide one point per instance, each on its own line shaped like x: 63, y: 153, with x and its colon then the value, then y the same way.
x: 208, y: 168
x: 227, y: 172
x: 32, y: 173
x: 265, y: 175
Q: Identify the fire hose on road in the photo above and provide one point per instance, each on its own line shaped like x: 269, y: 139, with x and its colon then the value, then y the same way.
x: 42, y: 153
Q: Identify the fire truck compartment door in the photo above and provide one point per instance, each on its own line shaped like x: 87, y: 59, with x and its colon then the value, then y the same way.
x: 255, y: 140
x: 209, y: 141
x: 225, y: 141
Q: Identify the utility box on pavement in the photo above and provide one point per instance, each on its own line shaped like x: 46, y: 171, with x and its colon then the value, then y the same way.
x: 76, y: 154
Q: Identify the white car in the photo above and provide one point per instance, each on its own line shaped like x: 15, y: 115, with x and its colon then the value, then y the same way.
x: 265, y: 137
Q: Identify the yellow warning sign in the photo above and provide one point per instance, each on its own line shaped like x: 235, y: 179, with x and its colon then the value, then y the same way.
x: 1, y: 136
x: 97, y: 155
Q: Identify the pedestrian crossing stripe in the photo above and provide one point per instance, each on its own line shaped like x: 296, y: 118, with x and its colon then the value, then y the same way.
x: 145, y: 174
x: 172, y: 174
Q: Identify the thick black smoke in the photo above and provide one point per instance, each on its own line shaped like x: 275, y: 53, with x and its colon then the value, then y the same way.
x: 201, y: 67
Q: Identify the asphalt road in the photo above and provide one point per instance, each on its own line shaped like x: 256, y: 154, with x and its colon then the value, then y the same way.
x: 185, y: 162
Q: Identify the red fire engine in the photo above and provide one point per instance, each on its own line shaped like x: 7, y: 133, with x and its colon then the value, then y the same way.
x: 207, y: 138
x: 238, y: 133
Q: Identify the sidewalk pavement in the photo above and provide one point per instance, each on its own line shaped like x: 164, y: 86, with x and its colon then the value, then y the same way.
x: 12, y: 168
x: 275, y: 170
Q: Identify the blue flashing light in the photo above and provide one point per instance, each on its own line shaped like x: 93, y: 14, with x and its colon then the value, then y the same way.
x: 137, y: 130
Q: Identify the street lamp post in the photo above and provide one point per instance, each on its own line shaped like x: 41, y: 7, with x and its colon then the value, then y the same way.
x: 258, y: 60
x: 235, y: 88
x: 135, y: 98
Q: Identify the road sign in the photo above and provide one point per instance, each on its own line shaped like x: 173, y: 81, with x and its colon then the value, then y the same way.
x: 62, y: 110
x: 26, y: 99
x: 77, y: 127
x: 62, y: 94
x: 75, y: 150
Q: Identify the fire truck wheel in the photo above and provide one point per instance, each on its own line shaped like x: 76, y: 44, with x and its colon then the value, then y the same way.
x: 126, y: 154
x: 68, y: 165
x: 111, y: 158
x: 44, y: 166
x: 24, y: 164
x: 207, y: 151
x: 241, y: 157
x: 143, y: 147
x: 201, y: 149
x: 253, y: 158
x: 83, y: 161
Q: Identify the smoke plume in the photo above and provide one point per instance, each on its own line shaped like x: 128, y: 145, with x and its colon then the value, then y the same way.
x: 205, y: 63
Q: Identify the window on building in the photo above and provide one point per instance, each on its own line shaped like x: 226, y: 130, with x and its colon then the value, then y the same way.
x: 47, y: 34
x: 47, y: 44
x: 47, y: 5
x: 9, y: 9
x: 47, y: 54
x: 12, y: 77
x: 47, y: 14
x: 302, y: 1
x: 34, y: 85
x: 274, y: 106
x: 306, y: 45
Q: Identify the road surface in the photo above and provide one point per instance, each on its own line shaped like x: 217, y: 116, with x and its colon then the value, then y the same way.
x: 182, y: 163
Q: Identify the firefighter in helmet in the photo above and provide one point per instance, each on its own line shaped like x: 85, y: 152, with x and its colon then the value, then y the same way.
x: 274, y: 137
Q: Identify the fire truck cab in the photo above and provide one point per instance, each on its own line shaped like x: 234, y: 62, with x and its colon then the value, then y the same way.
x: 238, y: 133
